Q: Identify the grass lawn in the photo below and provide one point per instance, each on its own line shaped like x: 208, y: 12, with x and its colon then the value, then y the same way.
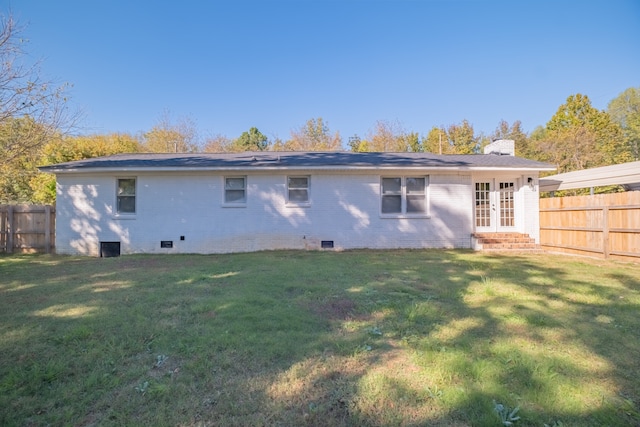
x: 380, y: 338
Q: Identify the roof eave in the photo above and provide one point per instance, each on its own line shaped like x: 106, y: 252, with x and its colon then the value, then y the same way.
x: 289, y: 168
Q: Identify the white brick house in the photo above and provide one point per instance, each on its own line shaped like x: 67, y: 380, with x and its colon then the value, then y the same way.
x: 236, y: 202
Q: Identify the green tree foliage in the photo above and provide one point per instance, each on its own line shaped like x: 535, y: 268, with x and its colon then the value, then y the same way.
x: 253, y: 140
x: 580, y: 136
x: 88, y: 146
x: 20, y: 179
x: 455, y: 139
x: 314, y: 135
x: 355, y: 144
x: 16, y: 173
x: 436, y: 141
x: 43, y: 185
x: 412, y: 142
x: 625, y: 111
x: 461, y: 139
x: 43, y: 188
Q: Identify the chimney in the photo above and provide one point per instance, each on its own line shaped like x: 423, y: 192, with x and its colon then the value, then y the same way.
x: 501, y: 147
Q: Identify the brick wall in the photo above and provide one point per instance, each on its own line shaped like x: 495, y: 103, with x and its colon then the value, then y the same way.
x: 344, y: 208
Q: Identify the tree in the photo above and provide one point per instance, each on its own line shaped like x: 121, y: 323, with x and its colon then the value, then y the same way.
x: 435, y: 141
x: 278, y: 145
x: 71, y: 148
x: 24, y: 93
x: 43, y: 185
x: 218, y: 144
x: 513, y: 132
x: 625, y: 110
x: 391, y: 136
x: 314, y: 135
x: 358, y: 145
x: 579, y: 136
x: 411, y: 141
x: 461, y: 139
x: 569, y: 150
x: 253, y: 140
x: 165, y: 137
x: 385, y: 137
x: 16, y: 173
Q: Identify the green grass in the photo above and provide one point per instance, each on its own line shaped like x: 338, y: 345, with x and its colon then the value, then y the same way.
x: 380, y: 338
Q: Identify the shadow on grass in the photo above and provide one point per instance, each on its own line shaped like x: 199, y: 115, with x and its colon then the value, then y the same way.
x: 297, y: 338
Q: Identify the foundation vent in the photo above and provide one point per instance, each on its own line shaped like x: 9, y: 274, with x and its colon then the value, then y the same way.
x: 326, y: 244
x: 109, y: 249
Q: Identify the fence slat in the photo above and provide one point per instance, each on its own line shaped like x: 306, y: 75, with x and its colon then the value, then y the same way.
x: 10, y: 228
x: 27, y: 228
x: 47, y: 229
x: 605, y: 224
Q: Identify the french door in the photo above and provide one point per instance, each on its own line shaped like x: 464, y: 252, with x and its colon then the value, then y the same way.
x: 494, y: 205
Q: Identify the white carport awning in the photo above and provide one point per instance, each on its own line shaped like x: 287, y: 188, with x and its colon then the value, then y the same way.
x: 624, y: 173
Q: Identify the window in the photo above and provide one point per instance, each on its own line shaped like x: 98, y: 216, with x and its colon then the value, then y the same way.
x: 126, y: 196
x: 391, y: 195
x: 404, y: 195
x: 416, y: 194
x: 235, y: 190
x: 298, y: 189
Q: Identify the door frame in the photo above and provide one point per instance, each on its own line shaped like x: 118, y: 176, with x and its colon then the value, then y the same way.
x: 494, y: 204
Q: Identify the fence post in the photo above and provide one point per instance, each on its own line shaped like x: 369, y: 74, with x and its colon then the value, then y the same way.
x: 605, y: 231
x: 47, y: 229
x: 10, y: 229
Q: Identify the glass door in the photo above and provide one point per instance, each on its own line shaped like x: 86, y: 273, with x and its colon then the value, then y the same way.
x: 507, y: 206
x: 494, y: 205
x: 484, y: 206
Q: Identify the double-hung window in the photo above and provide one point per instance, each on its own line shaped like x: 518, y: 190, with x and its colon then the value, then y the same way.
x: 404, y: 195
x: 298, y: 190
x: 126, y: 196
x: 235, y: 190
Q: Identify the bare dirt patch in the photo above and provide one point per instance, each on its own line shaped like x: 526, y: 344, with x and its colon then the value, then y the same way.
x: 335, y: 309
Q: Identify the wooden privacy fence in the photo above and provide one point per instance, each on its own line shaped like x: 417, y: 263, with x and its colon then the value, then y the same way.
x: 27, y: 228
x: 603, y: 225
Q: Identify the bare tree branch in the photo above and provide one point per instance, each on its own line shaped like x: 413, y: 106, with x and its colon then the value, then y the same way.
x: 25, y: 94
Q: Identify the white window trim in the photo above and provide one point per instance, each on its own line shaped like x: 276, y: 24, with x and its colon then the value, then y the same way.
x: 403, y: 213
x: 125, y: 215
x: 226, y: 204
x: 290, y: 203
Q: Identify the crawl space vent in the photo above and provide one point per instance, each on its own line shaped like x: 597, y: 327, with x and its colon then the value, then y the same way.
x: 326, y: 244
x: 109, y: 249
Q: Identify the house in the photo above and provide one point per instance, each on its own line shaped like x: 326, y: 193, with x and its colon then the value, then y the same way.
x: 237, y: 202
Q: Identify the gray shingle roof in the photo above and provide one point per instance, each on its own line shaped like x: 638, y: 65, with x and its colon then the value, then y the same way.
x: 310, y: 160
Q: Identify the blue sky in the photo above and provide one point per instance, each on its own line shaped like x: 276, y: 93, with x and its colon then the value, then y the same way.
x: 232, y: 65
